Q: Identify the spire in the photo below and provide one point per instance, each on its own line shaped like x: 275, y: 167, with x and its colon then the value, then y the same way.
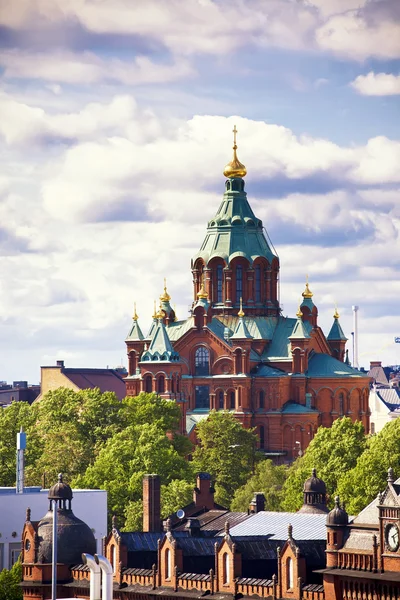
x: 165, y: 297
x: 160, y: 347
x: 241, y: 330
x: 299, y: 330
x: 235, y: 168
x: 336, y: 332
x: 155, y: 311
x: 307, y: 292
x: 202, y: 291
x: 135, y: 333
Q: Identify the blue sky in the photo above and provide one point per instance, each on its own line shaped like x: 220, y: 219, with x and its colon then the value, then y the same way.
x: 116, y: 125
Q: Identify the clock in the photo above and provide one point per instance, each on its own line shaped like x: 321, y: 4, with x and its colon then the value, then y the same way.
x: 392, y: 537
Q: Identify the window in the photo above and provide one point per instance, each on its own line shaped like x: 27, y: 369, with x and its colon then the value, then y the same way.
x: 262, y: 437
x: 341, y: 404
x: 202, y: 396
x: 14, y: 552
x: 258, y: 283
x: 148, y: 384
x: 113, y: 560
x: 168, y: 563
x: 219, y: 283
x: 239, y: 282
x: 173, y: 385
x: 289, y: 573
x: 161, y: 384
x: 261, y: 399
x: 221, y: 400
x: 372, y: 428
x: 225, y: 568
x: 202, y: 361
x: 232, y: 400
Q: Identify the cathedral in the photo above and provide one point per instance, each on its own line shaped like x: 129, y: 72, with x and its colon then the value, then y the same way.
x: 236, y: 351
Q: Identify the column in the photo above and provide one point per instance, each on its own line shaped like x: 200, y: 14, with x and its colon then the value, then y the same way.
x: 250, y: 287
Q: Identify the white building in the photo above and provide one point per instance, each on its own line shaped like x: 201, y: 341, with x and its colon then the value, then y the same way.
x: 384, y: 404
x: 88, y: 505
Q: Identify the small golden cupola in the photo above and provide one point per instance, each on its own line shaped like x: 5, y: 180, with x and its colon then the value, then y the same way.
x: 307, y: 292
x: 235, y: 168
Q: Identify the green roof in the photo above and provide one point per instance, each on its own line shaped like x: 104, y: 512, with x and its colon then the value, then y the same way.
x: 241, y: 331
x: 135, y: 332
x: 235, y: 230
x: 160, y: 347
x: 323, y: 365
x: 299, y: 331
x: 295, y: 408
x: 336, y: 332
x: 307, y: 302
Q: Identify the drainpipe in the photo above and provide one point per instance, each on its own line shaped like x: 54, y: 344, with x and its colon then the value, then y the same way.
x: 107, y: 576
x: 95, y: 581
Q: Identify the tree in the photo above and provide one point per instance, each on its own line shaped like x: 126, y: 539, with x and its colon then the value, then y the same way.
x: 226, y: 450
x: 269, y: 479
x: 10, y: 588
x: 361, y: 485
x: 333, y: 452
x: 12, y: 418
x: 125, y: 459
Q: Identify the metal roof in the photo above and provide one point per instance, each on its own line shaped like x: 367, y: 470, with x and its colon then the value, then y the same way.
x: 390, y: 396
x: 323, y: 365
x: 275, y: 525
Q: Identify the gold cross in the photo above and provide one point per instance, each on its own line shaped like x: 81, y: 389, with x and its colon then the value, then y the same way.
x: 234, y: 130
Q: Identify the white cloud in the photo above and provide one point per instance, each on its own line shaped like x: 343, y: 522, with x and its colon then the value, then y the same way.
x: 377, y: 84
x: 353, y: 36
x: 88, y: 68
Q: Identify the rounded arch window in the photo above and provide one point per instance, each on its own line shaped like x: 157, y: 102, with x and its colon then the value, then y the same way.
x: 148, y: 384
x: 261, y: 399
x: 161, y: 384
x: 202, y: 361
x: 220, y: 276
x: 225, y: 568
x: 289, y: 573
x: 220, y: 400
x: 232, y: 400
x: 239, y: 282
x: 257, y: 282
x: 262, y: 437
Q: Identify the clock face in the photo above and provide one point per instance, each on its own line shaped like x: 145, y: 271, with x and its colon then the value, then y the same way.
x: 392, y: 537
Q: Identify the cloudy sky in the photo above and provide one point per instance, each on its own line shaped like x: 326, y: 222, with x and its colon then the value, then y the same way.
x: 115, y: 126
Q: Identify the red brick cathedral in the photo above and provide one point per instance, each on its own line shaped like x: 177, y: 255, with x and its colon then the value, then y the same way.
x: 236, y: 351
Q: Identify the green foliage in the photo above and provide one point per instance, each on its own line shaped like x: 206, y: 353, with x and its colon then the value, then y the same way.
x: 175, y: 495
x: 150, y: 408
x: 361, y: 485
x: 125, y: 459
x: 269, y: 479
x: 333, y: 452
x: 226, y: 450
x: 10, y: 588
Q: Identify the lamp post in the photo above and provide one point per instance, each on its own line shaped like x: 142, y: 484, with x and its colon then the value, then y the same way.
x: 54, y: 552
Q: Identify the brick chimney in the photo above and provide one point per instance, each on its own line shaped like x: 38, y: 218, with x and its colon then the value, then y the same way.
x: 151, y: 503
x: 375, y: 363
x: 258, y: 503
x: 203, y: 493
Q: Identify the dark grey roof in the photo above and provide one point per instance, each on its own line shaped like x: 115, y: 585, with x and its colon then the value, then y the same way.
x: 256, y: 548
x: 197, y: 546
x: 140, y: 541
x: 274, y: 524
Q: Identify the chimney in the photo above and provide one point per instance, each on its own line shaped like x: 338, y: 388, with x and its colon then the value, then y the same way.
x: 60, y: 363
x: 151, y: 503
x: 203, y: 493
x: 193, y: 527
x: 258, y: 503
x: 375, y: 363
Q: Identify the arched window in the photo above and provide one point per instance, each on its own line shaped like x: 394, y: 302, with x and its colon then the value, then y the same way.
x: 161, y: 384
x: 289, y: 573
x: 341, y: 404
x: 262, y: 437
x: 148, y: 384
x: 232, y: 400
x: 261, y: 399
x: 258, y: 283
x: 113, y: 559
x: 220, y: 399
x: 202, y: 361
x: 239, y: 282
x: 173, y: 384
x: 225, y: 568
x: 168, y: 564
x: 219, y: 283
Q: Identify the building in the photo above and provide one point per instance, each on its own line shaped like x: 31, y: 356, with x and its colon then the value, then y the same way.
x: 384, y: 396
x: 236, y: 351
x: 259, y: 554
x: 107, y: 380
x: 90, y: 505
x: 19, y: 391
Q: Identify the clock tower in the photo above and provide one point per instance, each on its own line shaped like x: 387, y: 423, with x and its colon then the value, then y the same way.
x: 389, y: 519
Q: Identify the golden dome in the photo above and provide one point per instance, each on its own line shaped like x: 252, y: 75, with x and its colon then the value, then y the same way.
x: 336, y: 314
x: 241, y: 311
x: 135, y: 315
x: 235, y: 168
x: 299, y: 314
x: 307, y: 292
x: 165, y: 297
x: 202, y: 292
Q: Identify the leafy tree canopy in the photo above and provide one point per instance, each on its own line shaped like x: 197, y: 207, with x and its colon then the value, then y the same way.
x: 333, y: 452
x: 361, y: 485
x: 269, y: 479
x: 226, y: 450
x: 10, y: 588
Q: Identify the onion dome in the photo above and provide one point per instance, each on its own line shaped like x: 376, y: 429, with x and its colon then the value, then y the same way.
x: 73, y: 535
x: 314, y: 484
x: 60, y: 490
x: 337, y: 516
x: 165, y: 297
x: 235, y: 168
x: 307, y: 292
